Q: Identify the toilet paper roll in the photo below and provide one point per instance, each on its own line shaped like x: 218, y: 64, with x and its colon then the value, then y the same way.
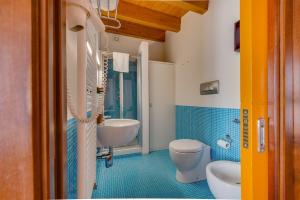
x: 223, y: 144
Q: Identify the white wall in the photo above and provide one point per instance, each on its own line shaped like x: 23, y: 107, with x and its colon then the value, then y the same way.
x: 204, y: 51
x: 131, y: 45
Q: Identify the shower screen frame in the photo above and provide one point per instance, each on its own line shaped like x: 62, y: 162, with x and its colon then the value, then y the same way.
x: 135, y: 148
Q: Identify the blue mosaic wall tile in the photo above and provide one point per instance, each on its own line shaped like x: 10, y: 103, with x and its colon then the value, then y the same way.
x: 72, y: 158
x: 208, y: 125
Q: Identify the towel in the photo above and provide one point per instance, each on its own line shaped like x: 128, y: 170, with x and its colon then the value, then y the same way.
x: 121, y: 62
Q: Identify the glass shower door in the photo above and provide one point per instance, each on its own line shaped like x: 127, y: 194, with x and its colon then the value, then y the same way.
x: 113, y: 106
x: 130, y: 95
x: 130, y: 92
x: 112, y: 97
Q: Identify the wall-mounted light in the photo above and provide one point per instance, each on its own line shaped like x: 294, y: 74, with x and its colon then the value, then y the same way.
x: 89, y: 48
x: 111, y: 9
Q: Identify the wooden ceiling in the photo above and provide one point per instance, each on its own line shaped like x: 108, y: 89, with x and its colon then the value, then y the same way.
x: 150, y: 19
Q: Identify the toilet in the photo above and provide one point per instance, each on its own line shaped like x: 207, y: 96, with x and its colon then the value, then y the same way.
x: 190, y: 158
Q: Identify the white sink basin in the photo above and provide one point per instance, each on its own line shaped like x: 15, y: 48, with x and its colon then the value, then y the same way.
x: 117, y: 132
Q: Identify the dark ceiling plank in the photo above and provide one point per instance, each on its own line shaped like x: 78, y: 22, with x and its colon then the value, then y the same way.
x: 137, y: 31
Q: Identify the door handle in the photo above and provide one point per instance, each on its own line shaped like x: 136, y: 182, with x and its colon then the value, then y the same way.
x: 261, y: 142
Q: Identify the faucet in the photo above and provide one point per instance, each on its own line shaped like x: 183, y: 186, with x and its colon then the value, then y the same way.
x: 107, y: 156
x: 107, y: 117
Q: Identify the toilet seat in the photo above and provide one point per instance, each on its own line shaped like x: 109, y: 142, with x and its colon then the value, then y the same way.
x: 186, y: 146
x: 190, y: 157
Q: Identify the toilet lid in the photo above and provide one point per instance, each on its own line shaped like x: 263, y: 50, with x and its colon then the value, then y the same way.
x: 186, y: 145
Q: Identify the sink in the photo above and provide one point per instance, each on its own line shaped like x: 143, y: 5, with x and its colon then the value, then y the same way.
x: 117, y: 132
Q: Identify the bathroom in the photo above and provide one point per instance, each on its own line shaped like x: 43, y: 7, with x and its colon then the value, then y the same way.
x: 174, y: 100
x: 150, y: 99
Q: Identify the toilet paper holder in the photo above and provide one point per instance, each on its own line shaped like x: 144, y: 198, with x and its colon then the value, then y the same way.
x: 225, y: 142
x: 227, y: 139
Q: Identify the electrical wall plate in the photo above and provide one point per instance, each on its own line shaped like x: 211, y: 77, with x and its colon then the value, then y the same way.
x: 211, y: 87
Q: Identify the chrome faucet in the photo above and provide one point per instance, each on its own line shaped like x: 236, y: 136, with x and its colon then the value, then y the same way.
x: 107, y: 156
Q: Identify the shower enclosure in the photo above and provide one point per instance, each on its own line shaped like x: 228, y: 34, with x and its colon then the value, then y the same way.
x: 122, y: 100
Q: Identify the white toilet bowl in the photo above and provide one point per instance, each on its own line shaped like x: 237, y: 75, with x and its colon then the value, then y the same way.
x: 190, y: 158
x: 224, y: 179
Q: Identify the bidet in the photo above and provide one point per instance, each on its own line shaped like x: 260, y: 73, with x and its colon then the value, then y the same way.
x: 224, y: 179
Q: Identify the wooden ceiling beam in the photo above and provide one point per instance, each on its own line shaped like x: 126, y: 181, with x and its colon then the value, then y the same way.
x: 159, y: 6
x: 200, y: 6
x: 137, y: 31
x: 146, y: 17
x: 150, y: 19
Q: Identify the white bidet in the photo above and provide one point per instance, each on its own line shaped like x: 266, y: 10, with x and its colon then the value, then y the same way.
x: 224, y: 179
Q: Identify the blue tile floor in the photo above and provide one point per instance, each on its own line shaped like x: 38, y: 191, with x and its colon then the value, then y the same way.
x: 148, y: 176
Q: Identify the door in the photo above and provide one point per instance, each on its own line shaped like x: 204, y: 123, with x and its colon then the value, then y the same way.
x: 162, y: 104
x: 254, y: 99
x: 296, y: 97
x: 21, y: 147
x: 31, y: 101
x: 285, y: 99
